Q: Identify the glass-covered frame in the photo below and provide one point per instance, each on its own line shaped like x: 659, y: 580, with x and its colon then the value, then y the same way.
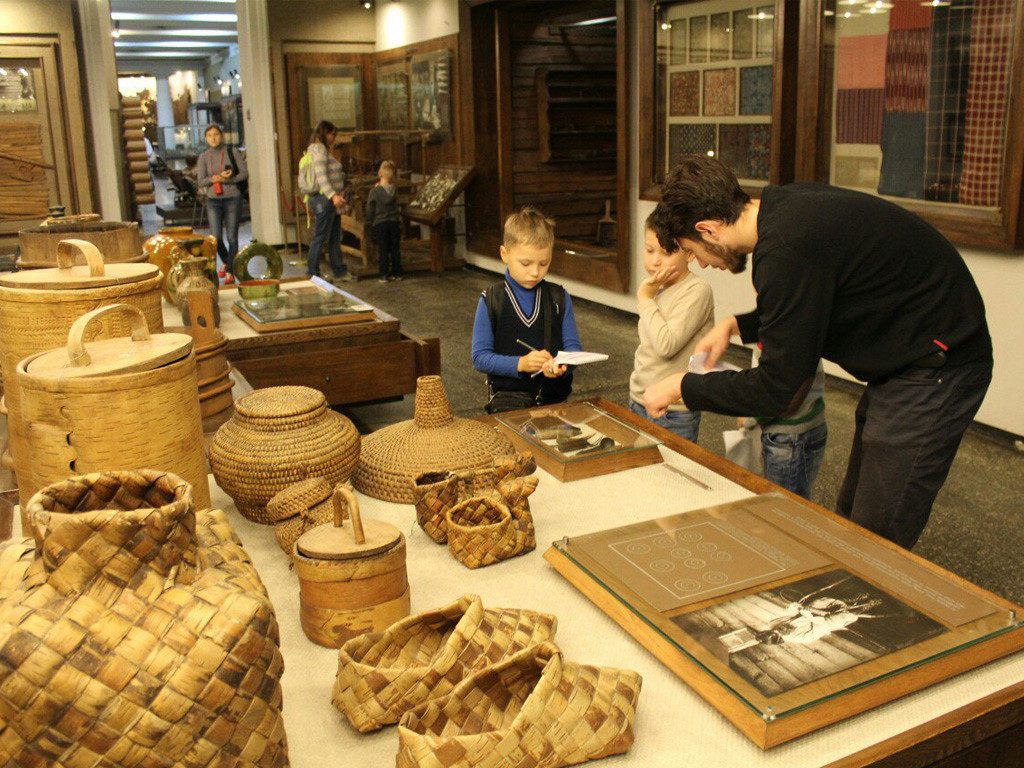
x: 787, y: 580
x: 803, y: 118
x: 302, y: 307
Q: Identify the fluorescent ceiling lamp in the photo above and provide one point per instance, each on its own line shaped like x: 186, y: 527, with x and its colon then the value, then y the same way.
x: 180, y: 32
x: 169, y: 44
x: 224, y: 18
x: 589, y: 22
x: 760, y: 16
x: 160, y: 55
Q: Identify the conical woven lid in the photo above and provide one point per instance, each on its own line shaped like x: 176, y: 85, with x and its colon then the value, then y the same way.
x: 434, y: 440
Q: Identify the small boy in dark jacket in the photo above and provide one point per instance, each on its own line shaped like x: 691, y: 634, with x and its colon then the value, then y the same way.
x: 382, y: 214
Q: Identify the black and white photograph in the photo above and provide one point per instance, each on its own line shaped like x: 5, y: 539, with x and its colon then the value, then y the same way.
x: 782, y: 638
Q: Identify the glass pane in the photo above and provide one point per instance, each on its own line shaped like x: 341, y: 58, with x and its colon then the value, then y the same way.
x: 714, y: 85
x: 920, y: 96
x: 17, y: 87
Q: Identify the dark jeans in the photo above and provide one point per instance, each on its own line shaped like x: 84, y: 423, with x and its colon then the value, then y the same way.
x: 388, y: 236
x: 224, y: 214
x: 908, y: 429
x: 792, y: 460
x: 326, y: 231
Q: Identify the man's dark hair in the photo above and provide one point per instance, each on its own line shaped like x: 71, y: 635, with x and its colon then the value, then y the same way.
x: 698, y: 188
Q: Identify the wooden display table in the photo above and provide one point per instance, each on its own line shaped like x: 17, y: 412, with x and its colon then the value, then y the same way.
x: 350, y: 363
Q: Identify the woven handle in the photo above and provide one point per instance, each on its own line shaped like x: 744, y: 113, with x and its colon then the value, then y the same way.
x: 344, y: 494
x: 76, y: 336
x: 68, y: 249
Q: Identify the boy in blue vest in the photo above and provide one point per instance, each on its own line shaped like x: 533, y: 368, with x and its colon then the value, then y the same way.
x: 523, y: 321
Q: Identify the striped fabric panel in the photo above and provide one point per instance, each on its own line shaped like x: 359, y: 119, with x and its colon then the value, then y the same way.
x: 859, y: 115
x: 906, y: 70
x: 910, y: 14
x: 987, y: 97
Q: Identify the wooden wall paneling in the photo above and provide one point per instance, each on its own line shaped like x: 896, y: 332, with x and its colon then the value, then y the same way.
x: 483, y: 204
x: 784, y: 91
x: 648, y: 57
x: 503, y: 80
x: 624, y: 38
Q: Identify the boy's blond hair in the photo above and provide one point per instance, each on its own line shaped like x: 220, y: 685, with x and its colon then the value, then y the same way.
x: 528, y: 226
x: 387, y: 170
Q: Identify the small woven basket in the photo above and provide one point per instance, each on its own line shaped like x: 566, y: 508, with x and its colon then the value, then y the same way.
x: 433, y: 441
x: 433, y: 494
x: 277, y: 437
x: 299, y: 508
x: 143, y: 623
x: 481, y: 531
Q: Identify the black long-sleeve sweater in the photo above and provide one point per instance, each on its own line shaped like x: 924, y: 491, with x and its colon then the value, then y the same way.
x: 851, y: 278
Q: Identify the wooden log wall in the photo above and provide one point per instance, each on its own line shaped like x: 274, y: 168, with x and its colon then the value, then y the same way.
x: 570, y: 172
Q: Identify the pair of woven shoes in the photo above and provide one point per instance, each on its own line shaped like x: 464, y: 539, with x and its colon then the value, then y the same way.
x: 476, y: 687
x: 483, y: 514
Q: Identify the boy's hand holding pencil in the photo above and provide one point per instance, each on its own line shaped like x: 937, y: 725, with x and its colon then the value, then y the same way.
x: 538, y: 361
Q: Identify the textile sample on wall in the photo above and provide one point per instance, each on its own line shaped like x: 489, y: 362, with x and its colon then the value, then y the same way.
x: 689, y: 140
x: 755, y: 90
x: 902, y: 173
x: 987, y: 95
x: 909, y: 14
x: 860, y: 62
x: 742, y: 34
x: 859, y: 116
x: 947, y: 101
x: 720, y: 91
x: 698, y: 39
x: 746, y: 149
x: 719, y: 45
x: 684, y: 94
x: 906, y: 70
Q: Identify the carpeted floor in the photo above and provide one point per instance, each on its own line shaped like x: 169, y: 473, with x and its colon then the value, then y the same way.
x: 976, y: 527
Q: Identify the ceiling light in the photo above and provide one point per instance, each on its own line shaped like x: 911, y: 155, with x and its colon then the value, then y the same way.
x: 3, y: 72
x: 238, y: 75
x: 760, y: 16
x: 367, y: 4
x: 169, y: 44
x: 116, y: 31
x: 218, y: 81
x: 935, y: 3
x: 180, y: 32
x: 830, y: 13
x: 212, y: 18
x: 666, y: 26
x: 22, y: 71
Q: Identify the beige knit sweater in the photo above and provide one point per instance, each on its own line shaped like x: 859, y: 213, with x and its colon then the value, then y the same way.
x: 670, y: 326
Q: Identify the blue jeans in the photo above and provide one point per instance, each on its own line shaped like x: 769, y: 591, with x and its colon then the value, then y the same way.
x: 686, y: 424
x: 793, y: 460
x: 224, y: 214
x: 326, y: 231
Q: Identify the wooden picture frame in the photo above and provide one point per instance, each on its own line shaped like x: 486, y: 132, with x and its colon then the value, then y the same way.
x: 430, y: 92
x: 393, y: 97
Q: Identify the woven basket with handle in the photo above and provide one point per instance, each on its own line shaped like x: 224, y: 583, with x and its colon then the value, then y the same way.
x: 145, y: 636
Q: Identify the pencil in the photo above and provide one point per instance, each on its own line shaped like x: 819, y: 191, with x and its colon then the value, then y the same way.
x: 520, y: 341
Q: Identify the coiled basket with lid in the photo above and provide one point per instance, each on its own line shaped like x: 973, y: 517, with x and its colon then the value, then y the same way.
x: 277, y: 437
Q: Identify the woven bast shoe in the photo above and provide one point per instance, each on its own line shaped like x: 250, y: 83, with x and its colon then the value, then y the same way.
x: 382, y: 675
x: 434, y: 493
x: 532, y: 710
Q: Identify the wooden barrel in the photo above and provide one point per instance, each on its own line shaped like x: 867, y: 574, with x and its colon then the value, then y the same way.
x: 113, y: 404
x: 38, y: 308
x: 118, y: 241
x: 349, y: 592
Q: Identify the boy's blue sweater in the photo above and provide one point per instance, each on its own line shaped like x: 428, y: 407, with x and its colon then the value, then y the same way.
x: 486, y: 360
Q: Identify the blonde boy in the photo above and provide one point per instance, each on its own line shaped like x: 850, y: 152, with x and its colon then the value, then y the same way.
x: 523, y: 321
x: 382, y: 214
x: 676, y: 309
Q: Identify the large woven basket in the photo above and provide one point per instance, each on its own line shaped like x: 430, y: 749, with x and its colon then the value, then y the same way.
x: 34, y: 320
x: 145, y: 627
x: 433, y: 441
x: 277, y: 437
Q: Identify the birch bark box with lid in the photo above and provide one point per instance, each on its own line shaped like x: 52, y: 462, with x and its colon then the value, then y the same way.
x: 38, y: 307
x: 114, y: 404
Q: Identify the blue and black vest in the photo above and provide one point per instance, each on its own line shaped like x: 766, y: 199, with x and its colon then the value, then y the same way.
x: 542, y: 330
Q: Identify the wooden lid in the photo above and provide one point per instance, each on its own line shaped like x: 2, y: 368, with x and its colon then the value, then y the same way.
x: 362, y: 538
x: 95, y: 274
x: 141, y: 352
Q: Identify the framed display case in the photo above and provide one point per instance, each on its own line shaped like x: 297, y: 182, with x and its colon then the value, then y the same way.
x: 438, y: 192
x: 784, y: 619
x: 431, y: 92
x: 575, y: 440
x: 303, y: 308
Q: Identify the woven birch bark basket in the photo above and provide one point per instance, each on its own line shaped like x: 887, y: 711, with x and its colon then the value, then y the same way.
x: 135, y: 634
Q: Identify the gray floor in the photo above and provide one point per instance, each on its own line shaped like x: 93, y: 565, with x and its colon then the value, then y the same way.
x: 975, y: 529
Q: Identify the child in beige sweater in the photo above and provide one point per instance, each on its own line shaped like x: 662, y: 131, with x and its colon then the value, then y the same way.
x: 676, y: 310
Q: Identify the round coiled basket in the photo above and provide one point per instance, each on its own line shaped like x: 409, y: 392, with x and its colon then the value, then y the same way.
x: 277, y: 437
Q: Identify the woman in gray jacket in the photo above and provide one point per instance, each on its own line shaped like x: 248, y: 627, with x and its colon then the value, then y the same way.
x: 220, y: 171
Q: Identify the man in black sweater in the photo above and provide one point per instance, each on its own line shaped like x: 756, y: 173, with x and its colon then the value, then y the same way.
x: 856, y: 280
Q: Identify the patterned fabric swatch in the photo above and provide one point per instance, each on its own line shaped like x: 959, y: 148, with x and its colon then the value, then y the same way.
x: 987, y: 95
x: 698, y: 39
x: 720, y: 91
x: 765, y: 32
x: 720, y: 37
x: 947, y: 101
x: 909, y: 14
x: 746, y: 149
x: 860, y: 62
x: 684, y: 94
x: 906, y: 70
x: 689, y: 140
x: 742, y: 34
x: 856, y: 171
x: 755, y: 90
x: 859, y: 115
x: 902, y: 142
